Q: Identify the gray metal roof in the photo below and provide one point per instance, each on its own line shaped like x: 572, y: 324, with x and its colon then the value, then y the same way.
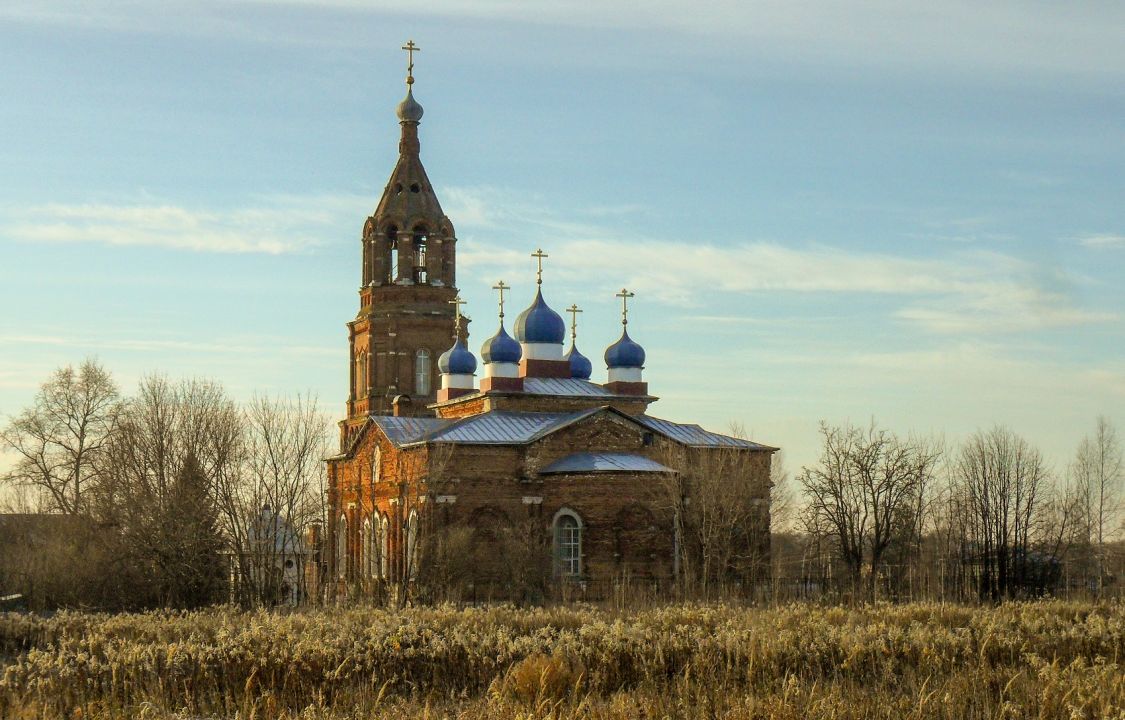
x: 516, y: 428
x: 695, y: 436
x: 403, y: 430
x: 564, y: 386
x: 603, y: 462
x: 506, y: 428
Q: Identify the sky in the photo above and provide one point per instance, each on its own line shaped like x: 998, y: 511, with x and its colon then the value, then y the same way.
x: 906, y: 212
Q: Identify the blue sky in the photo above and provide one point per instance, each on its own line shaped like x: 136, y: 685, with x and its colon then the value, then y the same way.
x: 901, y: 210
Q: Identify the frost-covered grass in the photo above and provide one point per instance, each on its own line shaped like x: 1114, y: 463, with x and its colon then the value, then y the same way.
x: 1022, y: 660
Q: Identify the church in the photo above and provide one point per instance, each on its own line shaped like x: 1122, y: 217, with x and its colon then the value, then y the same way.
x: 513, y: 468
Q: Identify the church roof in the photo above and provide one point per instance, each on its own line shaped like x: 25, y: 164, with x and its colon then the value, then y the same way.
x: 403, y: 430
x: 504, y: 427
x: 564, y: 386
x: 603, y: 462
x: 695, y: 436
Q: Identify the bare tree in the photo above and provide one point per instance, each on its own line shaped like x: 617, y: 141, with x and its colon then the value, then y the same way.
x: 720, y: 512
x: 57, y: 439
x: 272, y: 494
x: 170, y: 442
x: 863, y: 491
x: 1004, y: 485
x: 1096, y: 473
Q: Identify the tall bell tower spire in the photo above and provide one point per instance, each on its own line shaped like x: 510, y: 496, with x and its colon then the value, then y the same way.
x: 407, y: 280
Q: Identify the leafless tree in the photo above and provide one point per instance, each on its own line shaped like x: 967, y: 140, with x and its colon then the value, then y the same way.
x: 863, y: 491
x: 1096, y: 475
x: 164, y: 431
x: 271, y: 494
x: 57, y: 439
x: 1004, y: 485
x: 720, y: 514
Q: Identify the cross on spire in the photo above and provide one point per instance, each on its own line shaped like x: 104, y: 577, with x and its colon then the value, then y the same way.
x: 573, y: 310
x: 624, y: 295
x: 501, y: 286
x: 457, y: 302
x: 539, y: 255
x: 410, y: 49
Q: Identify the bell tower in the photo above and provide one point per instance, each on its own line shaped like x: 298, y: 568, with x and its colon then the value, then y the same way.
x: 408, y: 280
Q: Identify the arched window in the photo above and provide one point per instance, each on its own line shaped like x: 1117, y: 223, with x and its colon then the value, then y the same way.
x: 568, y: 543
x: 384, y: 546
x: 366, y: 561
x: 342, y: 546
x: 421, y: 238
x: 392, y: 255
x: 412, y: 545
x: 376, y: 464
x: 422, y: 370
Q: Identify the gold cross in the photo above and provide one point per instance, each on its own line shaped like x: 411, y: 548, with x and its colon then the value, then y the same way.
x: 410, y: 49
x: 457, y: 302
x: 539, y: 255
x: 573, y: 310
x: 501, y: 286
x: 624, y: 295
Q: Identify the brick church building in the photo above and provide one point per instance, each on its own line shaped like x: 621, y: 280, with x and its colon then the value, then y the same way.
x: 519, y: 466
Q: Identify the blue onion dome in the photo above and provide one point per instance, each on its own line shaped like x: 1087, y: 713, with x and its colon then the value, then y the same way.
x: 409, y: 110
x: 501, y: 348
x: 580, y: 365
x: 625, y: 353
x: 540, y: 324
x: 457, y: 360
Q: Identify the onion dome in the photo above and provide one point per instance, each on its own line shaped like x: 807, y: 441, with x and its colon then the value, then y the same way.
x: 580, y: 365
x: 501, y: 348
x: 625, y: 353
x: 540, y: 324
x: 409, y: 110
x: 457, y: 360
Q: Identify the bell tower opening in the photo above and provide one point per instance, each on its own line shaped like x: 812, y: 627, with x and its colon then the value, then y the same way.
x: 421, y: 275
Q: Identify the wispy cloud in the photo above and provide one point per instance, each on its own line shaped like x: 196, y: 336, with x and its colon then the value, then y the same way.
x: 161, y: 345
x: 272, y: 226
x: 966, y: 36
x: 966, y: 291
x: 1103, y: 241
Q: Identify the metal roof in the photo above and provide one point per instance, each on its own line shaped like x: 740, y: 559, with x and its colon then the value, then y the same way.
x: 695, y: 436
x: 499, y: 427
x: 564, y: 386
x: 603, y: 462
x: 402, y: 430
x: 506, y: 428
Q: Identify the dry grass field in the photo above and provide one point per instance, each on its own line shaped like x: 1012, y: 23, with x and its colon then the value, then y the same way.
x: 1027, y: 660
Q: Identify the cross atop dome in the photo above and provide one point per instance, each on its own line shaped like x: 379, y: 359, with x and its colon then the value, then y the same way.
x: 539, y: 255
x: 625, y: 295
x: 410, y: 49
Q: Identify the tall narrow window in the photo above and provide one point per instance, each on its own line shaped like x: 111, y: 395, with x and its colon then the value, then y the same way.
x: 422, y: 372
x: 568, y: 544
x: 392, y: 254
x: 420, y: 240
x: 412, y: 545
x: 342, y: 546
x: 376, y: 464
x: 384, y: 546
x: 366, y: 555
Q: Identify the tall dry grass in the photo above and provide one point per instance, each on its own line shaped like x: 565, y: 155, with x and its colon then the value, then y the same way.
x: 1024, y: 660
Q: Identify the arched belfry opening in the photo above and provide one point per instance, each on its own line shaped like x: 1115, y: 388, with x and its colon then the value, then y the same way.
x: 421, y: 242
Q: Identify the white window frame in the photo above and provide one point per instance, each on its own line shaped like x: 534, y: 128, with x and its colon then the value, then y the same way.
x: 342, y: 546
x: 571, y: 565
x: 384, y: 546
x: 423, y: 371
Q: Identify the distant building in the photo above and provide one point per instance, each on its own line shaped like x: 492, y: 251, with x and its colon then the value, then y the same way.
x: 535, y: 463
x: 277, y: 563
